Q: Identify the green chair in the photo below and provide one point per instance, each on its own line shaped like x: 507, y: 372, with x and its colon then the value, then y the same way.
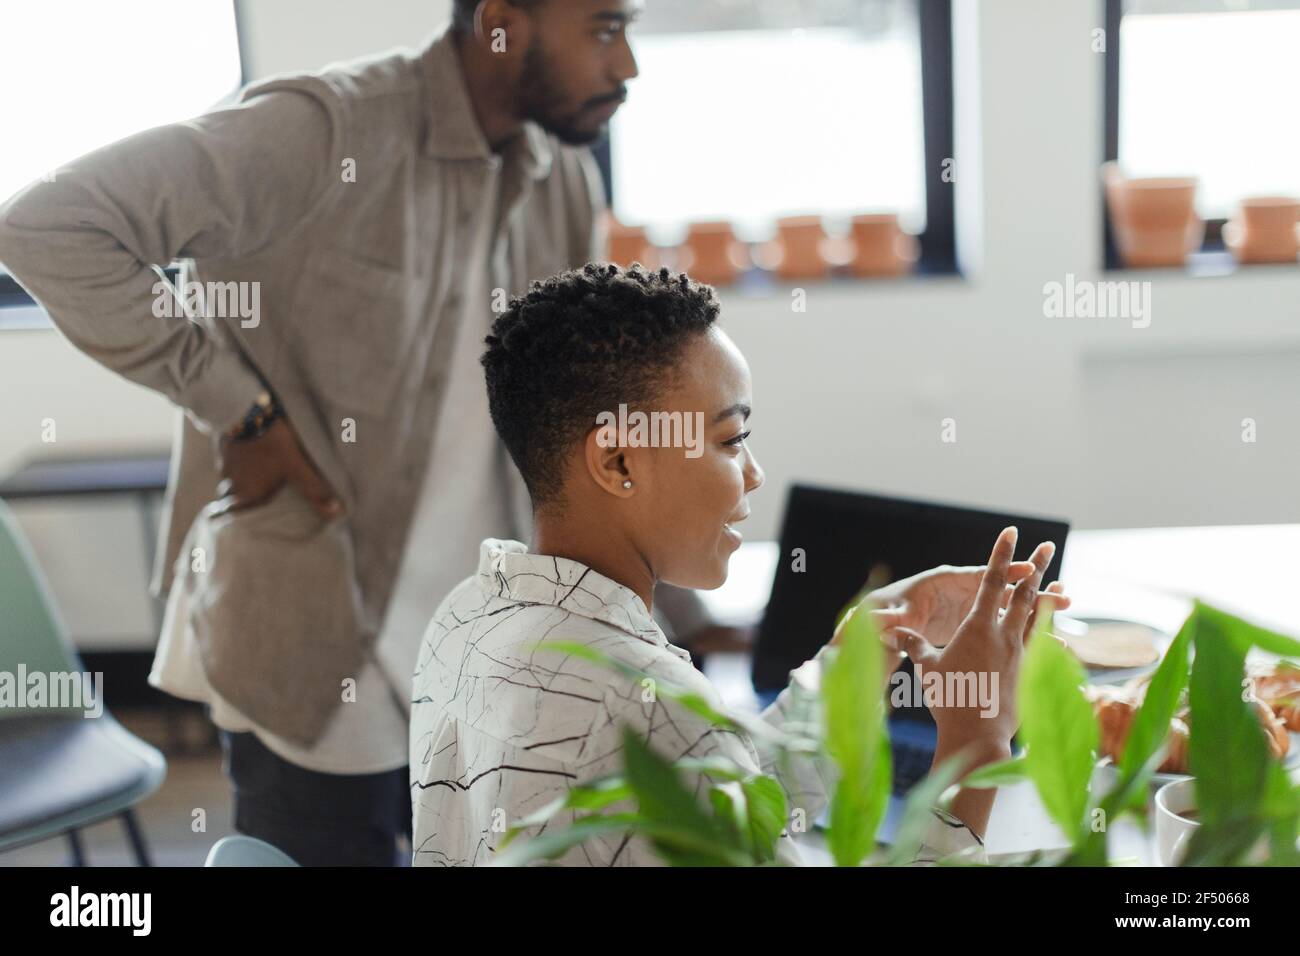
x: 240, y: 850
x: 60, y: 770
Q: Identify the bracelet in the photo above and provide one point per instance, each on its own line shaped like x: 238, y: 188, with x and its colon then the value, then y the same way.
x: 265, y: 412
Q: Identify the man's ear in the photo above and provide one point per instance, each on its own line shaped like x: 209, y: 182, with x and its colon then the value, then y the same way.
x: 501, y: 27
x: 610, y: 466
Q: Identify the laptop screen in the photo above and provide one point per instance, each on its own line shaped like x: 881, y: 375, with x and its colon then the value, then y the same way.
x: 831, y: 541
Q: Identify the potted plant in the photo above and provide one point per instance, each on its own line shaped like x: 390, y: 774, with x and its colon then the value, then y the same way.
x: 1248, y: 809
x: 1266, y: 229
x: 712, y: 253
x: 1154, y: 219
x: 881, y: 249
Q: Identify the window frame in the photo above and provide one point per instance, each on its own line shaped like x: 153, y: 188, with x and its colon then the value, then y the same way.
x: 14, y: 296
x: 1213, y: 242
x: 938, y: 241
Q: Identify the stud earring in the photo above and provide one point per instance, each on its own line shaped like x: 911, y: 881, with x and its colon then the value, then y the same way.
x: 627, y: 482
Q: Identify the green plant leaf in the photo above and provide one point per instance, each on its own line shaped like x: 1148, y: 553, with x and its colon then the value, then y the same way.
x: 659, y: 792
x: 855, y: 740
x: 1059, y: 732
x: 680, y: 846
x: 1250, y: 634
x: 1000, y: 774
x: 859, y: 808
x: 680, y: 829
x: 755, y: 809
x: 555, y: 843
x: 717, y: 767
x: 1150, y: 725
x: 1144, y: 749
x: 1243, y: 794
x: 1226, y: 843
x: 918, y: 810
x: 592, y: 796
x: 584, y: 651
x: 668, y: 814
x: 666, y: 690
x: 1227, y: 752
x: 676, y: 845
x: 729, y: 806
x: 1130, y: 792
x: 767, y: 815
x: 697, y: 705
x: 1088, y: 851
x: 1281, y: 808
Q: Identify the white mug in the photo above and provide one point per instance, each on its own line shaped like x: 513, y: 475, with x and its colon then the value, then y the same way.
x: 1173, y: 831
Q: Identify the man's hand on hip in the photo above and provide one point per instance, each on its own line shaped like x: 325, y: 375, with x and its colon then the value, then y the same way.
x: 253, y: 469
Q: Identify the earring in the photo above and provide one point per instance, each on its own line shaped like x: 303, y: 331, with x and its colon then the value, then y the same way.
x: 627, y: 482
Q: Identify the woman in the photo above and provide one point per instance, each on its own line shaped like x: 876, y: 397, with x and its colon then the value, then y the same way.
x: 500, y: 729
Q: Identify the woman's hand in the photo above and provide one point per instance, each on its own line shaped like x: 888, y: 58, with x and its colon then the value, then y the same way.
x: 935, y: 602
x: 985, y: 651
x: 983, y: 656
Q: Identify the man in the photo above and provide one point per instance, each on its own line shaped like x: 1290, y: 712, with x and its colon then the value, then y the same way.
x: 344, y: 236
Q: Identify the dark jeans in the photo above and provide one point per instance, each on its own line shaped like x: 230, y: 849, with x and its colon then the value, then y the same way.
x: 319, y: 819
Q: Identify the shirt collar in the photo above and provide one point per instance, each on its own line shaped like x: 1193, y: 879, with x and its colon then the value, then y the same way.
x: 507, y: 570
x: 453, y: 131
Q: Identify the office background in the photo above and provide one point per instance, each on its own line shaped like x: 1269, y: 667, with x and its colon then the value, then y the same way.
x: 1112, y: 425
x: 1109, y: 425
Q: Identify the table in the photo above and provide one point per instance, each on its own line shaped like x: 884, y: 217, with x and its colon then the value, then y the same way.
x: 1149, y: 575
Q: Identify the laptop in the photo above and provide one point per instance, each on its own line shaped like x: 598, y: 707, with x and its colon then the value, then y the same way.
x: 831, y: 542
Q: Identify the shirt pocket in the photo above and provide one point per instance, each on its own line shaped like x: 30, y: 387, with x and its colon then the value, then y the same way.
x: 277, y: 615
x: 355, y: 323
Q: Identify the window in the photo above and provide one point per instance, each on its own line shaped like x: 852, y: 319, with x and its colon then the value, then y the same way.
x: 80, y: 74
x: 1206, y: 88
x: 749, y: 111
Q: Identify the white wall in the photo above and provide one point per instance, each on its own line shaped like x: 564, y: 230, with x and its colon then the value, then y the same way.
x: 42, y: 377
x: 1095, y: 420
x: 1092, y: 419
x: 280, y: 36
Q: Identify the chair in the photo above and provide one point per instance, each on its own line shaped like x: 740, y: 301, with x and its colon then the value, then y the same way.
x: 240, y: 850
x: 61, y: 770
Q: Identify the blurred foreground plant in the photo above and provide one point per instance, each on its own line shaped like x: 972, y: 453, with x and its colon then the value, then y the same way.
x: 1243, y: 795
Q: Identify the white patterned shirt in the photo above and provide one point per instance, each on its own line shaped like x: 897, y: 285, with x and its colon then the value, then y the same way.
x: 501, y: 729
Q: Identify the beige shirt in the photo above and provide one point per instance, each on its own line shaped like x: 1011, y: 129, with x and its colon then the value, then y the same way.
x: 341, y: 205
x: 368, y: 732
x: 501, y: 729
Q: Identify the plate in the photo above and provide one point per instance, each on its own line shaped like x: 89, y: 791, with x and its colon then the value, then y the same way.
x: 1118, y: 675
x: 1106, y: 774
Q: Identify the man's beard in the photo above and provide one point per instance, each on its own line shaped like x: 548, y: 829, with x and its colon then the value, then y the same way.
x: 541, y: 101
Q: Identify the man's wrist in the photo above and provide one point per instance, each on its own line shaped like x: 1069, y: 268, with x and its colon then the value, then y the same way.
x: 264, y: 412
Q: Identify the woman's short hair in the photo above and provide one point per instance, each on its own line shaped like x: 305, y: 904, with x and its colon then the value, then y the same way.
x: 580, y: 343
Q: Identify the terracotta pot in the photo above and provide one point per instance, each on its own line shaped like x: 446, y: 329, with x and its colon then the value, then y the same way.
x: 628, y: 244
x: 1266, y: 229
x: 1154, y: 220
x: 800, y: 249
x: 712, y: 254
x: 881, y: 248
